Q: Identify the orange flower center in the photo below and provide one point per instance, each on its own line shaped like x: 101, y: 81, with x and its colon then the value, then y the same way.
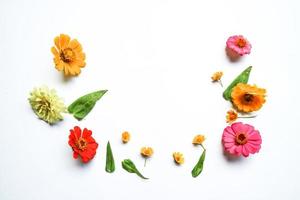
x: 81, y: 144
x: 241, y: 42
x: 67, y: 55
x: 241, y: 138
x: 248, y: 98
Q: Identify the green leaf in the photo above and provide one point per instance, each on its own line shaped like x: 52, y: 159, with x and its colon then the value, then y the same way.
x: 199, y: 166
x: 83, y: 105
x: 129, y: 166
x: 110, y: 162
x: 242, y: 78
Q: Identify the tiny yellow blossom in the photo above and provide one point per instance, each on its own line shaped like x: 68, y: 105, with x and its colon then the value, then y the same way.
x: 125, y: 137
x: 178, y: 158
x: 217, y: 76
x: 198, y: 139
x: 146, y: 152
x: 231, y: 116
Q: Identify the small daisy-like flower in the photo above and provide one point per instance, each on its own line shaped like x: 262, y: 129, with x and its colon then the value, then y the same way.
x: 68, y: 55
x: 146, y: 152
x: 83, y: 144
x: 216, y: 77
x: 239, y: 45
x: 125, y: 137
x: 178, y: 158
x: 198, y: 139
x: 231, y: 116
x: 248, y: 98
x: 46, y: 104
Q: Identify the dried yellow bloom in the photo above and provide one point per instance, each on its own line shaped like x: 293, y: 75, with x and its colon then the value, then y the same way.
x: 146, y: 152
x: 46, y: 104
x: 125, y: 137
x: 217, y: 76
x: 178, y: 158
x: 198, y: 139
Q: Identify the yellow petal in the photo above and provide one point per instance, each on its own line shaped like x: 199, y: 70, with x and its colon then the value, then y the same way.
x: 56, y: 42
x: 54, y: 51
x: 63, y: 41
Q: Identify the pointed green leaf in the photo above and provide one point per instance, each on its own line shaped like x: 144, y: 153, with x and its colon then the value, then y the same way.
x: 110, y: 162
x: 83, y: 105
x: 242, y: 78
x: 129, y: 166
x: 199, y: 166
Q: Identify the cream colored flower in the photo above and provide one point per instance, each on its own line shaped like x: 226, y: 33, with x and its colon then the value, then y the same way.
x: 46, y: 104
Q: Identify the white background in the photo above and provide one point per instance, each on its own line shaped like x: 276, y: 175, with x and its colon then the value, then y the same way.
x: 155, y: 58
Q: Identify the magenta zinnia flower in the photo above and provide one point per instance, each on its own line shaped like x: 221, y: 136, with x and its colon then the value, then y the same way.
x: 239, y: 45
x: 241, y: 139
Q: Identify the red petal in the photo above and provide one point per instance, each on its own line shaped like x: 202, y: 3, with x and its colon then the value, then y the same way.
x: 86, y: 133
x: 77, y: 132
x: 75, y: 155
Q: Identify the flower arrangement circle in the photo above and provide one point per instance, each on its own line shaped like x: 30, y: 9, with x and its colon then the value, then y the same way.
x: 248, y: 98
x: 83, y: 144
x: 238, y: 45
x: 241, y: 139
x: 68, y: 55
x: 46, y: 104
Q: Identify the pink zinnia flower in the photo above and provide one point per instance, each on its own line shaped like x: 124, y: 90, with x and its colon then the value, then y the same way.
x: 241, y: 139
x: 239, y: 45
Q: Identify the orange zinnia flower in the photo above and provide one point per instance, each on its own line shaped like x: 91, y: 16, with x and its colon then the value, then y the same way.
x: 68, y: 55
x: 248, y: 98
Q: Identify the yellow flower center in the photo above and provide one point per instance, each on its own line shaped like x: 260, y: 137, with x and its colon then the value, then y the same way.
x: 81, y: 144
x: 241, y: 138
x: 241, y: 42
x: 67, y: 55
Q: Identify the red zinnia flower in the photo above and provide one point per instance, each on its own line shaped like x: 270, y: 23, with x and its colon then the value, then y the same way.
x: 83, y: 144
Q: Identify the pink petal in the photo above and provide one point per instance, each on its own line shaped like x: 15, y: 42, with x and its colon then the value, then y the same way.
x: 228, y: 139
x: 245, y: 151
x: 228, y: 145
x: 228, y: 130
x: 237, y: 127
x: 238, y: 150
x: 254, y: 136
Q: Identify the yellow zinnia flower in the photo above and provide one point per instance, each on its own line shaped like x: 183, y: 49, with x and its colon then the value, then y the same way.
x: 46, y: 104
x: 178, y: 158
x: 248, y: 98
x: 125, y: 137
x: 198, y: 139
x: 68, y: 55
